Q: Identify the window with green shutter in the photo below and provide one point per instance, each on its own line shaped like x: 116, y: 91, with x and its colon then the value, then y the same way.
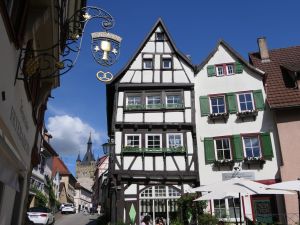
x: 238, y: 153
x: 231, y: 102
x: 238, y: 67
x: 209, y: 150
x: 266, y: 145
x: 211, y: 70
x: 204, y: 106
x: 259, y: 100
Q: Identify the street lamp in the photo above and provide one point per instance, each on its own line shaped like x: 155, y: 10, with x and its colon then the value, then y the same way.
x: 108, y: 147
x: 60, y: 58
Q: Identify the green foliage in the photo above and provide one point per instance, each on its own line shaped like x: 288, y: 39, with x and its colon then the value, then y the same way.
x: 207, y: 219
x: 176, y: 222
x: 41, y: 199
x: 189, y: 208
x: 52, y: 199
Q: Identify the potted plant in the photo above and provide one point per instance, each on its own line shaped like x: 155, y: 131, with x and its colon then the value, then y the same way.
x: 223, y: 163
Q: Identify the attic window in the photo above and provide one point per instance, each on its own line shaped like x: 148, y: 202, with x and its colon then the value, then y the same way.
x: 160, y: 36
x: 148, y: 63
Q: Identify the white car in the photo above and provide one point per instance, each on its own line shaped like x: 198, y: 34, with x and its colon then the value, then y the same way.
x: 41, y: 215
x: 68, y: 208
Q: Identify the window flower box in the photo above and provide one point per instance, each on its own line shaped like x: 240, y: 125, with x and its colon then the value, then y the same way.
x: 254, y: 161
x: 135, y: 107
x: 223, y: 163
x: 218, y: 116
x: 246, y: 114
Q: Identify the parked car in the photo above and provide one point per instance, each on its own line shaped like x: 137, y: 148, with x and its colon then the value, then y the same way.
x: 41, y: 215
x: 68, y: 208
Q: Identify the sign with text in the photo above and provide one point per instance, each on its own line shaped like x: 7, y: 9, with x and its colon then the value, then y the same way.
x: 246, y: 175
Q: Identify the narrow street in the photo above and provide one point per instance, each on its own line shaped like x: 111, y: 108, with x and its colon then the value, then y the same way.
x: 75, y: 219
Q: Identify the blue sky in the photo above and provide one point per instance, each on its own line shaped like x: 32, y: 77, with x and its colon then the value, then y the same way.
x: 79, y: 105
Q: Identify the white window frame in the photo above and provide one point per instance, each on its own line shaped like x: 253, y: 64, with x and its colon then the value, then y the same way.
x: 216, y: 151
x: 217, y: 71
x: 217, y: 96
x: 162, y: 62
x: 139, y: 135
x: 239, y: 104
x: 167, y: 95
x: 244, y: 146
x: 227, y: 70
x: 152, y: 96
x: 127, y: 97
x: 154, y: 134
x: 231, y: 219
x: 181, y: 137
x: 144, y: 63
x: 163, y: 36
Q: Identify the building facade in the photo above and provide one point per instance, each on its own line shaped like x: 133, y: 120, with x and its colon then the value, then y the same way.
x: 82, y: 198
x: 236, y: 133
x: 151, y: 118
x: 86, y: 167
x: 283, y: 95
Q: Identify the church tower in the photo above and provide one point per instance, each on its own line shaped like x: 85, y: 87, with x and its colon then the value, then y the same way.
x: 85, y: 168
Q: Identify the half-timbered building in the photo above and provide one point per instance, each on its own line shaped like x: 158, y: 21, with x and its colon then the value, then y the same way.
x: 151, y: 119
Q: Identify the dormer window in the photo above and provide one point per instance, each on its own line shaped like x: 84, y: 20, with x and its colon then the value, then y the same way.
x: 147, y: 64
x: 220, y: 70
x: 160, y: 36
x: 230, y: 69
x: 167, y: 63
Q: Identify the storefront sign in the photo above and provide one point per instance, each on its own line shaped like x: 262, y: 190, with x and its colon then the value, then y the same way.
x: 245, y: 175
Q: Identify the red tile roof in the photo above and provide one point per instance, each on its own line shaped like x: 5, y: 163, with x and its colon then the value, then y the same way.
x: 58, y: 165
x: 280, y: 87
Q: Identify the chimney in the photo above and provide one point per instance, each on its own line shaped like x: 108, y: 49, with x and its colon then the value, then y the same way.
x: 263, y: 49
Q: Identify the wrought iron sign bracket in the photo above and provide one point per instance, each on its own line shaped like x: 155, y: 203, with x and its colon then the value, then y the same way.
x: 62, y: 56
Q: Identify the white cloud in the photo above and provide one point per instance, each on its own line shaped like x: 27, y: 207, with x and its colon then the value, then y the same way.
x: 70, y: 135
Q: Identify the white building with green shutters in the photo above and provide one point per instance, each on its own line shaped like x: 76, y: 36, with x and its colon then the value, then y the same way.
x: 236, y: 135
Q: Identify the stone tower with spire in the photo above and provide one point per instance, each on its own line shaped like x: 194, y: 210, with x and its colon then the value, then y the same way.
x: 85, y: 168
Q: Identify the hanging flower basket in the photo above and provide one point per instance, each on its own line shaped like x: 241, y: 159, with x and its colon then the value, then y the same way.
x: 223, y: 163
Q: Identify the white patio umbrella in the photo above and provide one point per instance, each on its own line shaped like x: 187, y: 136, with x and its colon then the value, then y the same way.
x: 235, y: 188
x: 292, y: 185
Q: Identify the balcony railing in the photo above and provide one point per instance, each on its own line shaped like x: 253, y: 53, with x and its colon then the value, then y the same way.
x: 133, y: 150
x: 154, y: 106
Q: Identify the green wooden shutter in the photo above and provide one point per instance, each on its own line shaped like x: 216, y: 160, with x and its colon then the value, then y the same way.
x: 259, y: 100
x: 204, y: 105
x: 238, y: 67
x: 211, y: 70
x: 238, y: 153
x: 267, y: 150
x: 231, y: 103
x: 209, y: 150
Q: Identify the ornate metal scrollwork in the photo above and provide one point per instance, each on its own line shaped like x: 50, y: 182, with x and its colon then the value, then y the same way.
x: 62, y: 56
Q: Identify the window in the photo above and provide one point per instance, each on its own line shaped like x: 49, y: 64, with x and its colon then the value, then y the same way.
x: 245, y: 101
x: 220, y: 208
x: 133, y: 100
x: 160, y: 36
x: 223, y: 148
x: 173, y: 101
x: 235, y: 206
x: 147, y: 64
x: 174, y: 140
x: 153, y: 140
x: 230, y: 69
x: 133, y: 140
x: 220, y: 70
x: 167, y: 63
x: 153, y: 102
x: 252, y: 147
x: 217, y: 104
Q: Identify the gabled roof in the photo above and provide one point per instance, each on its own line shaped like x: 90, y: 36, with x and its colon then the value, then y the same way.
x: 158, y: 23
x: 233, y: 52
x: 280, y: 86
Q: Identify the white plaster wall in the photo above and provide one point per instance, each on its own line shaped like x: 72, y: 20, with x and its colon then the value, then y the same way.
x: 187, y: 98
x: 156, y: 76
x: 148, y: 163
x: 149, y: 47
x: 189, y: 141
x: 167, y: 76
x: 127, y: 76
x: 137, y: 77
x: 131, y: 189
x: 170, y: 164
x: 180, y: 160
x: 180, y: 77
x: 119, y: 114
x: 174, y: 117
x: 138, y: 164
x: 157, y: 62
x: 153, y: 117
x: 133, y: 117
x: 188, y: 115
x: 118, y: 142
x: 205, y: 85
x: 147, y: 76
x: 127, y: 162
x: 120, y: 98
x: 159, y: 163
